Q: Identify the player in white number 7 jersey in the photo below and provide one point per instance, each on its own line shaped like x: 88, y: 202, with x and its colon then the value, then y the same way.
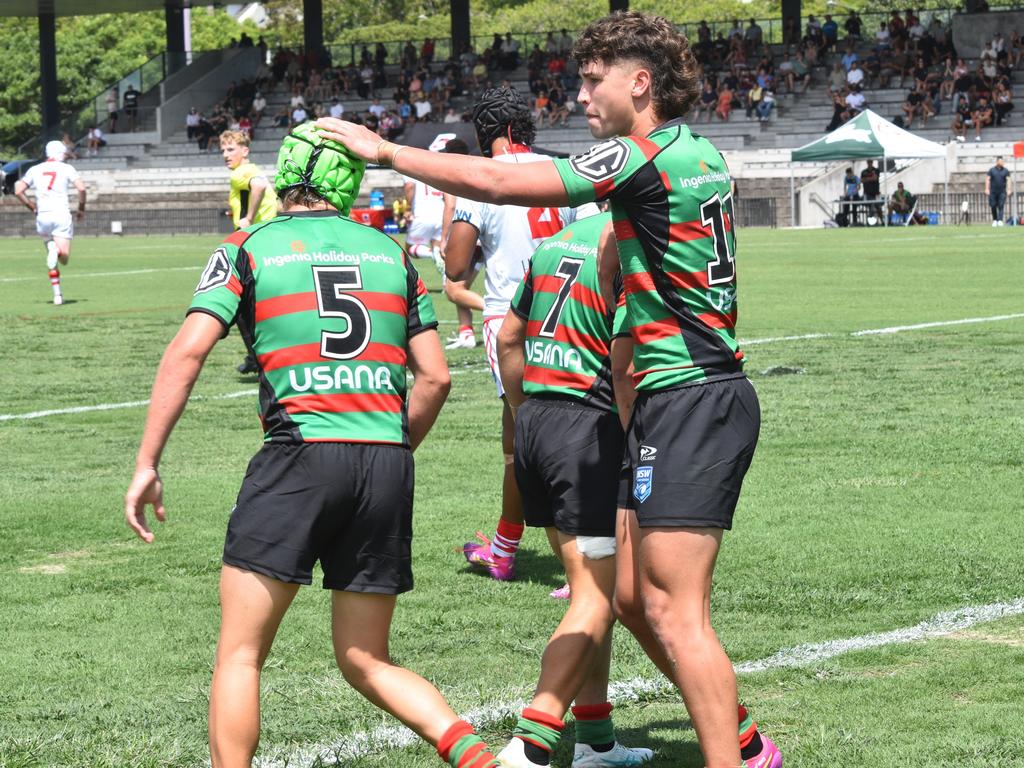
x: 508, y: 235
x: 50, y: 180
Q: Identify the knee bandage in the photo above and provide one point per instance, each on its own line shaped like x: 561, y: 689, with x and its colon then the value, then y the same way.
x: 595, y: 547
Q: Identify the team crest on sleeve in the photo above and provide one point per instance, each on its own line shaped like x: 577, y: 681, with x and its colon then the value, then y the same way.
x: 643, y: 482
x: 217, y: 272
x: 601, y: 162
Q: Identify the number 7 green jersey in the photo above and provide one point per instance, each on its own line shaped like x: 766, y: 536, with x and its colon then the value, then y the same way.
x: 326, y: 306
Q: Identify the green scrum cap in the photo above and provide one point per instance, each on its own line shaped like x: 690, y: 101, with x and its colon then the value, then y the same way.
x: 308, y: 160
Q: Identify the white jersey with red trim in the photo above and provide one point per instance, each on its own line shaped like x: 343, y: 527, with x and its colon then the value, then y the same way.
x: 51, y: 180
x: 509, y: 234
x: 427, y: 206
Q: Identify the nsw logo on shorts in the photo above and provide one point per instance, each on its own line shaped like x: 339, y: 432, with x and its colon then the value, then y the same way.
x: 643, y: 482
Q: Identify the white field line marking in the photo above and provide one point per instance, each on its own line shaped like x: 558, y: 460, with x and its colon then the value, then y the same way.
x: 364, y: 743
x: 743, y: 343
x: 76, y: 275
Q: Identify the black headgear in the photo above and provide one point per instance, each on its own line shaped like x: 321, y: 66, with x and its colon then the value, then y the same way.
x: 496, y: 110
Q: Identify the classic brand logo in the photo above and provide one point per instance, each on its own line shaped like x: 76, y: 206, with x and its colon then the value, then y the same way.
x: 648, y: 453
x: 602, y: 161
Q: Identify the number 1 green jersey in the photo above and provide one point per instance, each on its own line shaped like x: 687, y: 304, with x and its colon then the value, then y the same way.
x: 326, y: 306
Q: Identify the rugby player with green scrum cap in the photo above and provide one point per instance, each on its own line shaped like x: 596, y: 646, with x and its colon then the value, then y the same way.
x: 334, y: 313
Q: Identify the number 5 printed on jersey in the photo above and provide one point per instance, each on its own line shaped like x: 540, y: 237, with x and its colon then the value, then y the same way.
x: 333, y: 301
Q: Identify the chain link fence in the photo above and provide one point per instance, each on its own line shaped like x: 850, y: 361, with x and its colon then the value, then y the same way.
x: 755, y: 212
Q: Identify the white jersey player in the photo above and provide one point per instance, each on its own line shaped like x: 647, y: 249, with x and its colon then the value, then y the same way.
x: 50, y: 181
x: 426, y: 209
x: 508, y: 235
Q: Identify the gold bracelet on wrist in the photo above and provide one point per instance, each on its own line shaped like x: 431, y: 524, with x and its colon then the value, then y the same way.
x: 394, y: 155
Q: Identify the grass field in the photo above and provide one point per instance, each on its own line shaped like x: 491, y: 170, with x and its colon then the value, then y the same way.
x: 887, y: 488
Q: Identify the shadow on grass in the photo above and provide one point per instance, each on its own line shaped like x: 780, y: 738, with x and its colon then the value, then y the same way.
x: 666, y: 751
x: 537, y: 568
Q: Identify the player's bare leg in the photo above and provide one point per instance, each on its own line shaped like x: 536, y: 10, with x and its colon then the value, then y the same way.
x: 360, y: 627
x: 252, y: 606
x: 58, y: 251
x: 676, y: 566
x: 498, y: 555
x: 575, y: 666
x: 464, y: 337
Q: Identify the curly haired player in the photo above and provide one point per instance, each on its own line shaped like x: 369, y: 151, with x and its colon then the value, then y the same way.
x: 696, y: 419
x: 334, y: 313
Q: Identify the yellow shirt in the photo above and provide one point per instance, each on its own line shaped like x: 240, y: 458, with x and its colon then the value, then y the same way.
x: 238, y: 199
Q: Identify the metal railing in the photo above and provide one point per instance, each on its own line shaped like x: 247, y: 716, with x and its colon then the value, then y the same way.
x: 950, y: 211
x: 133, y: 221
x: 755, y: 212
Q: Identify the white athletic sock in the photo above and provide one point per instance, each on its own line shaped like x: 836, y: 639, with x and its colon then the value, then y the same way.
x: 421, y: 251
x: 51, y: 254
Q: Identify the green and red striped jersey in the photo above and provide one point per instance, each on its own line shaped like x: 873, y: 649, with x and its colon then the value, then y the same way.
x: 671, y: 203
x: 569, y: 326
x: 327, y: 307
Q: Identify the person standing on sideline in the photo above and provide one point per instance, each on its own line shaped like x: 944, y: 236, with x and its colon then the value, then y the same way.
x: 50, y: 180
x: 998, y: 187
x: 251, y: 198
x: 333, y: 481
x: 696, y: 419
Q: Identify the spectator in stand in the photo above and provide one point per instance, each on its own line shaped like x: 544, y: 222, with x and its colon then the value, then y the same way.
x: 855, y: 101
x: 839, y: 111
x: 541, y: 108
x: 245, y: 126
x: 872, y: 66
x: 192, y: 124
x: 1002, y: 102
x: 423, y: 108
x: 337, y: 109
x: 753, y: 36
x: 851, y: 193
x: 95, y: 140
x: 997, y: 187
x: 982, y: 117
x: 754, y: 96
x: 561, y: 107
x: 790, y: 31
x: 565, y: 43
x: 830, y: 33
x: 837, y: 78
x: 111, y: 100
x: 853, y: 26
x: 376, y: 109
x: 130, y: 101
x: 883, y: 40
x: 917, y: 103
x: 725, y: 98
x: 785, y: 71
x: 855, y: 75
x: 451, y: 116
x: 298, y: 116
x: 959, y: 125
x: 948, y: 78
x: 849, y: 57
x: 897, y: 29
x: 510, y: 52
x: 764, y: 109
x: 708, y: 101
x: 282, y: 116
x: 259, y: 106
x: 427, y: 51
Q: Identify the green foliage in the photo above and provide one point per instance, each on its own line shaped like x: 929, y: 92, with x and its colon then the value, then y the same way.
x: 92, y: 53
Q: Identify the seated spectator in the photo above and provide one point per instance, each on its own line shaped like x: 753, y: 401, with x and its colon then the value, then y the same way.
x: 918, y: 104
x: 337, y: 109
x: 959, y: 127
x: 281, y: 117
x: 982, y: 117
x: 855, y: 75
x: 708, y: 101
x: 837, y: 78
x: 850, y: 57
x: 785, y: 71
x: 376, y: 109
x: 245, y: 126
x: 901, y: 201
x: 95, y: 140
x: 754, y: 97
x: 855, y: 101
x: 259, y: 106
x: 764, y: 109
x: 560, y: 105
x: 541, y: 108
x: 451, y: 116
x: 298, y: 116
x: 423, y: 108
x: 391, y: 126
x: 1002, y: 102
x: 839, y: 112
x: 725, y: 98
x: 883, y: 41
x: 192, y: 124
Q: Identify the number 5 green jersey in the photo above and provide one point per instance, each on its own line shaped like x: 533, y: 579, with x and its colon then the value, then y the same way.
x: 672, y: 210
x: 327, y: 307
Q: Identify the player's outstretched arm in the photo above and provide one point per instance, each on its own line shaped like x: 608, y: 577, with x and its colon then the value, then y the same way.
x: 431, y: 384
x: 175, y: 378
x: 528, y: 184
x: 511, y: 358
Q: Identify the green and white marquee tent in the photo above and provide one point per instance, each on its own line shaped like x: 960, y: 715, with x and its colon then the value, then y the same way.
x: 868, y: 135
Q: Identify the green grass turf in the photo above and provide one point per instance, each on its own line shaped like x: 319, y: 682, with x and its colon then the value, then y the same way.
x: 886, y: 488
